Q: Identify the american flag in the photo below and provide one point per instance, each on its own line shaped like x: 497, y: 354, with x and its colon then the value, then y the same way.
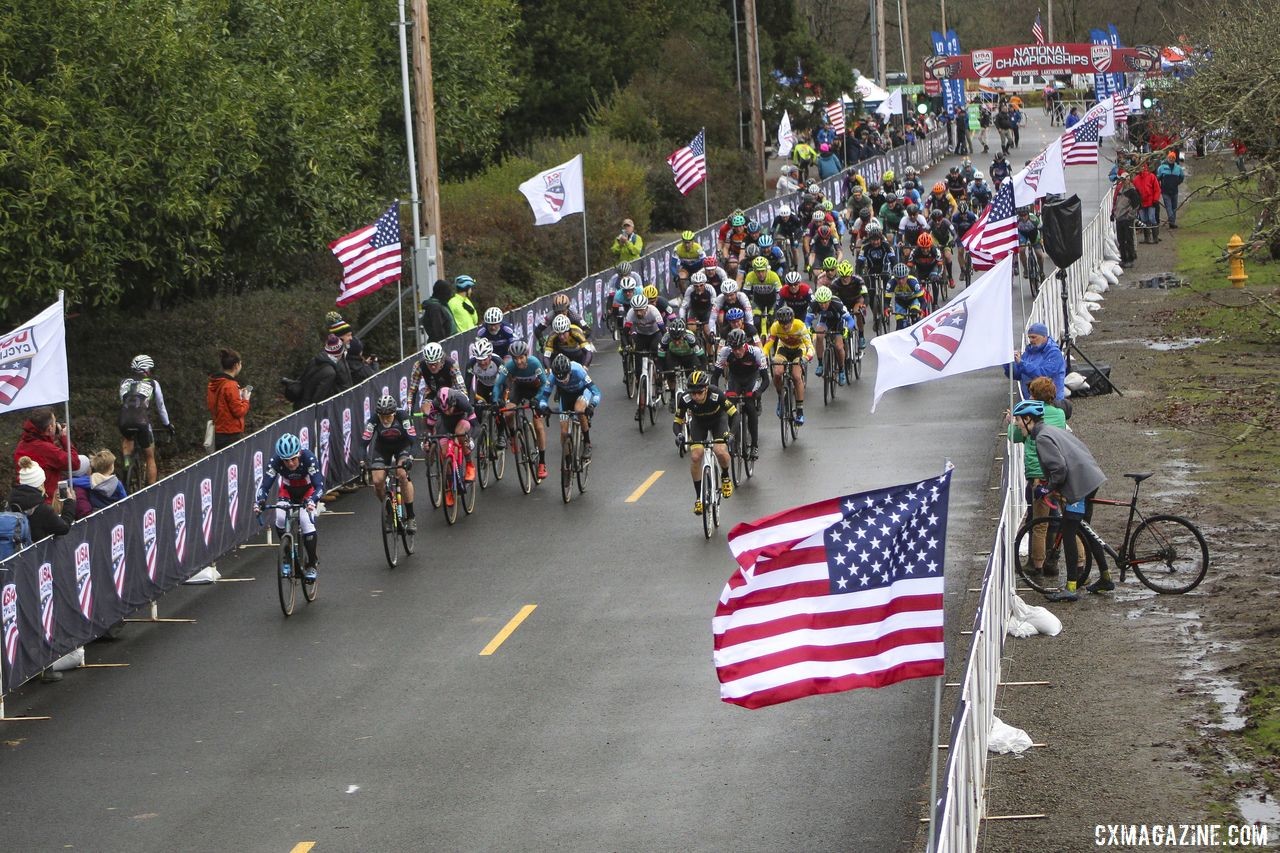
x: 972, y: 243
x: 835, y: 595
x: 1080, y: 144
x: 13, y: 378
x: 1000, y: 234
x: 1122, y: 106
x: 1037, y: 31
x: 689, y: 164
x: 835, y: 112
x: 370, y: 257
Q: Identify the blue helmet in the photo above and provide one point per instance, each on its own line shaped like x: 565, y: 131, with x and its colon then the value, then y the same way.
x: 288, y: 446
x: 1034, y: 408
x: 735, y: 314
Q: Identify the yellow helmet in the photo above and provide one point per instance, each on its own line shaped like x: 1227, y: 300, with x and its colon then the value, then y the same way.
x: 888, y: 175
x: 650, y: 292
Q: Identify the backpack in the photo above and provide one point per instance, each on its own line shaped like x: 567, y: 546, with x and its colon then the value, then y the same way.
x: 134, y: 405
x: 15, y: 533
x: 292, y: 389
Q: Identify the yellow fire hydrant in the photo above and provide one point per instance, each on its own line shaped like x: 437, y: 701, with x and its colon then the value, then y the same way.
x: 1235, y: 257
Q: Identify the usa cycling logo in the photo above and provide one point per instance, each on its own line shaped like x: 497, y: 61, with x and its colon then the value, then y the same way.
x: 46, y: 601
x: 150, y: 541
x: 17, y: 353
x: 233, y: 492
x: 983, y: 63
x: 528, y: 321
x: 180, y: 525
x: 346, y: 434
x: 553, y: 192
x: 368, y: 411
x: 1035, y: 169
x: 304, y: 438
x: 9, y: 615
x: 84, y: 581
x: 938, y: 338
x: 118, y: 559
x: 257, y: 472
x: 324, y: 446
x: 404, y: 396
x: 206, y: 509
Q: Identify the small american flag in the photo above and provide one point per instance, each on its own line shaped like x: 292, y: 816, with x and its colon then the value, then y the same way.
x: 13, y: 378
x: 835, y: 112
x: 1000, y: 234
x: 689, y: 164
x: 1122, y: 106
x: 370, y: 257
x: 835, y: 595
x: 1080, y: 144
x: 972, y: 242
x: 1037, y: 31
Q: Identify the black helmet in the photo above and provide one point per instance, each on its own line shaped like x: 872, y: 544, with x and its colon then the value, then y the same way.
x: 560, y: 366
x: 785, y: 315
x: 736, y: 338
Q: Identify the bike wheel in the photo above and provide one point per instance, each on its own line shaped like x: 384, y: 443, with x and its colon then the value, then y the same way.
x: 828, y: 377
x: 708, y: 498
x: 522, y: 447
x: 450, y: 490
x: 736, y: 456
x: 1168, y: 554
x: 1048, y: 527
x: 629, y: 373
x: 134, y: 474
x: 744, y: 441
x: 468, y: 493
x: 484, y: 453
x: 407, y: 538
x: 566, y: 468
x: 435, y: 476
x: 287, y: 586
x: 499, y: 457
x: 715, y: 509
x: 785, y: 413
x: 308, y: 587
x: 581, y: 467
x: 390, y: 536
x: 642, y: 401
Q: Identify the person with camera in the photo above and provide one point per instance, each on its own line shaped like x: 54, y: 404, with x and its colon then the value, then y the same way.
x: 228, y: 400
x: 48, y: 443
x: 628, y: 245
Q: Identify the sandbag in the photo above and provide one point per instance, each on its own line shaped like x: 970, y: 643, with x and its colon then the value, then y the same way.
x: 1092, y: 296
x: 1027, y: 620
x: 1005, y: 738
x: 71, y: 660
x: 1108, y: 275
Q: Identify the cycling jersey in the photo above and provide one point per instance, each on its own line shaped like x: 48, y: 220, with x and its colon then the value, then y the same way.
x: 999, y: 171
x: 697, y: 303
x: 136, y: 397
x: 926, y: 261
x: 713, y: 406
x: 877, y: 259
x: 1029, y: 230
x: 683, y: 345
x: 573, y: 343
x: 540, y: 330
x: 737, y: 299
x: 911, y: 227
x: 647, y: 322
x: 522, y: 383
x: 456, y: 409
x: 389, y: 440
x: 578, y: 383
x: 762, y: 286
x: 748, y: 369
x: 788, y: 227
x: 447, y: 376
x: 891, y: 215
x: 794, y: 337
x: 945, y: 202
x: 689, y: 251
x: 501, y: 339
x: 907, y: 295
x: 942, y: 234
x: 833, y: 315
x: 847, y: 291
x: 956, y: 184
x: 797, y: 297
x: 298, y: 485
x: 962, y: 222
x: 979, y: 195
x: 823, y: 249
x: 480, y: 378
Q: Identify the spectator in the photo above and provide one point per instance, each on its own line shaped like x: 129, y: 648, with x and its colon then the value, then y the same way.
x: 1124, y: 211
x: 464, y: 311
x: 101, y: 487
x: 1004, y: 127
x: 326, y: 374
x: 804, y: 157
x: 227, y: 400
x: 360, y: 365
x: 829, y: 163
x: 1073, y: 118
x: 1016, y: 118
x: 48, y: 443
x: 824, y: 135
x: 1069, y: 470
x: 1170, y: 175
x: 788, y: 182
x: 1041, y: 388
x: 1149, y: 190
x: 964, y: 144
x: 628, y: 245
x: 437, y: 319
x: 1041, y: 357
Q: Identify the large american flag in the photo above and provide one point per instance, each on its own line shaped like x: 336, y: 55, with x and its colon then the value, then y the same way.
x: 1080, y: 144
x: 689, y: 164
x: 1122, y: 106
x: 835, y: 112
x: 1037, y: 31
x: 370, y: 257
x: 999, y: 235
x: 972, y: 242
x: 835, y: 595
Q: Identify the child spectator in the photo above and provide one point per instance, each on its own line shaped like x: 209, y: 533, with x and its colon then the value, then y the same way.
x: 28, y: 496
x: 101, y: 487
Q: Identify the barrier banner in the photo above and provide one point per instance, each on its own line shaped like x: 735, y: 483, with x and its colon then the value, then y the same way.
x: 1043, y: 59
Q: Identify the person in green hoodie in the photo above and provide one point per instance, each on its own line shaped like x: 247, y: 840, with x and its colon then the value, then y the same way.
x: 465, y: 314
x: 1043, y: 389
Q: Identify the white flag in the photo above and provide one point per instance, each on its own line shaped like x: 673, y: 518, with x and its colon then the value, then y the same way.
x: 972, y: 331
x: 786, y: 139
x: 891, y: 105
x: 556, y: 193
x: 33, y: 362
x: 1042, y: 176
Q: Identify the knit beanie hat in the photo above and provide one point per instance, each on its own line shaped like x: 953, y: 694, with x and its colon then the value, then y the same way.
x: 333, y: 346
x: 30, y: 474
x: 340, y: 327
x: 1038, y: 329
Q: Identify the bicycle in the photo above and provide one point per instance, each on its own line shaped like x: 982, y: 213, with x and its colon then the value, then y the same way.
x: 134, y: 466
x: 1029, y: 263
x: 645, y: 399
x: 394, y: 530
x: 710, y: 485
x: 937, y: 290
x: 741, y: 466
x: 830, y: 369
x: 524, y: 446
x: 491, y: 462
x: 628, y: 353
x: 787, y: 414
x: 1167, y: 553
x: 572, y: 465
x: 289, y: 562
x: 454, y: 488
x: 853, y: 355
x: 879, y: 311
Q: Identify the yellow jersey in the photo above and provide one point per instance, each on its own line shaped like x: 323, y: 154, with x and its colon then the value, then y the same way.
x: 794, y: 336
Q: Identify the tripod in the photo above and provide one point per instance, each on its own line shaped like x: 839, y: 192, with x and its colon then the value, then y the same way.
x: 1068, y: 344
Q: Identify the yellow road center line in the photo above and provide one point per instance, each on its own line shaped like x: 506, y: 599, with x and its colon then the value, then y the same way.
x: 508, y: 629
x: 302, y: 847
x: 644, y: 487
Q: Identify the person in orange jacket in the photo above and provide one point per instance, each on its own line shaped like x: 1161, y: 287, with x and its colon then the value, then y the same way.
x: 227, y: 400
x: 1149, y: 189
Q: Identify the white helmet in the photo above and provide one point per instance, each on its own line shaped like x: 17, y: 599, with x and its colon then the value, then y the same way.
x: 493, y: 315
x: 639, y: 302
x: 729, y: 287
x: 699, y: 277
x: 482, y: 349
x: 142, y: 363
x: 977, y: 176
x: 560, y: 324
x: 628, y: 282
x: 784, y: 210
x: 433, y: 353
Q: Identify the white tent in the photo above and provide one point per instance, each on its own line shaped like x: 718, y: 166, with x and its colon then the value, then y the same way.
x: 870, y: 92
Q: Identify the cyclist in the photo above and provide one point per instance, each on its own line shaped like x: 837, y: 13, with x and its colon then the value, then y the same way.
x: 623, y: 271
x: 678, y: 347
x: 788, y: 229
x: 911, y: 227
x: 877, y: 256
x: 574, y: 392
x: 967, y: 171
x: 736, y: 318
x: 956, y: 185
x: 520, y: 381
x: 889, y: 182
x: 388, y: 438
x: 716, y: 275
x: 745, y: 370
x: 941, y: 199
x: 910, y: 192
x: 1029, y: 235
x: 301, y: 483
x: 908, y: 296
x: 686, y: 258
x: 795, y: 294
x: 570, y: 340
x: 731, y: 296
x: 560, y: 304
x: 861, y: 227
x: 828, y: 314
x: 763, y: 285
x: 621, y: 299
x: 644, y: 326
x: 854, y: 203
x: 926, y: 260
x: 789, y: 340
x: 852, y: 291
x: 480, y: 377
x: 960, y: 224
x: 496, y: 332
x: 773, y: 253
x: 435, y: 371
x: 826, y: 275
x: 695, y: 308
x: 824, y: 246
x: 733, y: 237
x: 891, y: 214
x: 708, y: 413
x: 136, y: 393
x: 877, y: 196
x: 453, y: 414
x: 999, y: 169
x: 979, y: 194
x: 944, y: 237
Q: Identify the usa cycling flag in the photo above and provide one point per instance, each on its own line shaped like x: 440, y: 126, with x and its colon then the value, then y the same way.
x: 33, y: 362
x: 556, y: 193
x: 972, y: 331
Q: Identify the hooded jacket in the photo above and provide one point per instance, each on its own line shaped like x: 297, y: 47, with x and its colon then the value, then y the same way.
x: 56, y: 459
x: 323, y: 377
x: 225, y: 404
x: 95, y: 491
x: 437, y: 319
x: 1043, y: 360
x: 1148, y: 187
x: 44, y: 521
x: 1067, y: 464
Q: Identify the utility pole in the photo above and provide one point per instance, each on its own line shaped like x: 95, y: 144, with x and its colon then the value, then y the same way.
x: 944, y: 16
x: 737, y: 55
x: 906, y: 40
x: 880, y: 69
x: 753, y: 84
x: 430, y: 174
x: 1049, y: 33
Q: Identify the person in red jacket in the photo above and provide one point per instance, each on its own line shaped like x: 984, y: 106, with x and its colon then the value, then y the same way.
x: 1149, y: 189
x: 49, y: 445
x: 228, y: 400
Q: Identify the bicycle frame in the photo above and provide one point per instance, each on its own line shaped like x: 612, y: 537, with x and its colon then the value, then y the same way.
x: 1134, y: 514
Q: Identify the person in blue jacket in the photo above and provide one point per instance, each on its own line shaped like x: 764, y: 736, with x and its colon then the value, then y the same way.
x: 574, y: 392
x: 301, y: 482
x: 1041, y: 357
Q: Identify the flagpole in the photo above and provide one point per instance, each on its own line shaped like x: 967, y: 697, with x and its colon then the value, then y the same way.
x: 66, y: 405
x: 933, y: 758
x: 706, y: 179
x: 586, y: 264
